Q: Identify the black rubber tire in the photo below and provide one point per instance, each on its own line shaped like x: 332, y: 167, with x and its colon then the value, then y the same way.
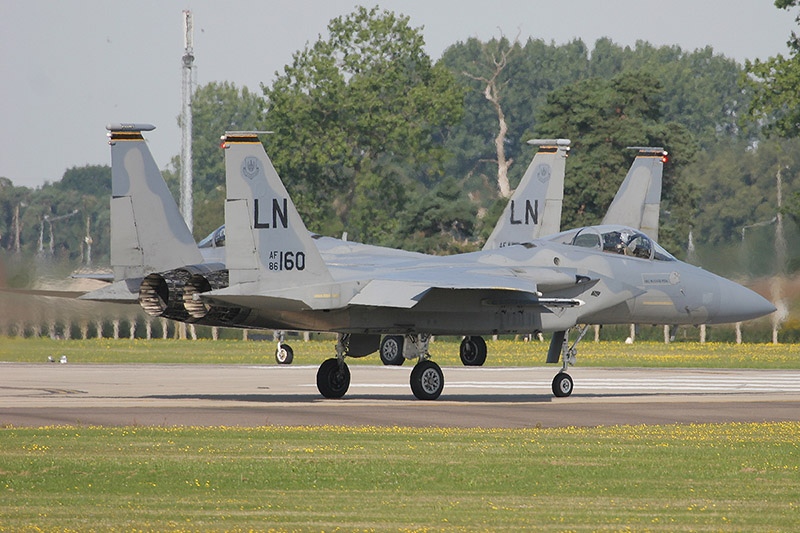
x: 284, y: 355
x: 333, y: 379
x: 391, y: 351
x: 562, y: 385
x: 472, y: 351
x: 427, y: 380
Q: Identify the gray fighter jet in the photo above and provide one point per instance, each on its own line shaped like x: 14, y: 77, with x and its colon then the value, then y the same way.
x: 279, y: 276
x: 278, y: 279
x: 149, y: 236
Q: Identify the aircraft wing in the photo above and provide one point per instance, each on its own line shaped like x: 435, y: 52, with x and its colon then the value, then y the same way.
x: 405, y: 289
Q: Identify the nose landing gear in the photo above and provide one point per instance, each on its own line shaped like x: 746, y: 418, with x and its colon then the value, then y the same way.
x: 562, y: 383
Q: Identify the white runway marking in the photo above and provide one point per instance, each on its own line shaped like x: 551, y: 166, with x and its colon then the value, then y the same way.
x: 705, y: 383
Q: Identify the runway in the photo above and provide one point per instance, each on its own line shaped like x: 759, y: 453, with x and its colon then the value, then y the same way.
x: 233, y: 395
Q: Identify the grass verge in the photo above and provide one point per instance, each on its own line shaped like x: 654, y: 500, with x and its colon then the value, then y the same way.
x: 501, y: 353
x: 668, y: 478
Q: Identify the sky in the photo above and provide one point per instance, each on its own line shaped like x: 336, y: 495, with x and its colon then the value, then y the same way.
x: 68, y: 68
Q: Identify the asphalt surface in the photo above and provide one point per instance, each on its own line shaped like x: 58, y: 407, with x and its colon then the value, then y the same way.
x: 229, y: 395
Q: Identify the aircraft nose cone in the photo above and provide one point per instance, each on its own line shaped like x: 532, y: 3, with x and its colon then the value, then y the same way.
x: 738, y: 303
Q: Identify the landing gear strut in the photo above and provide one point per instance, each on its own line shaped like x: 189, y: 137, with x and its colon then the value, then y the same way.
x: 562, y: 383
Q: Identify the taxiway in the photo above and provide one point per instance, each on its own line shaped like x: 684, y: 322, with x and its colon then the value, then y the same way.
x: 237, y: 395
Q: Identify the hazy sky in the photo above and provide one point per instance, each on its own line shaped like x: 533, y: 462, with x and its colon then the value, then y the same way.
x: 67, y: 68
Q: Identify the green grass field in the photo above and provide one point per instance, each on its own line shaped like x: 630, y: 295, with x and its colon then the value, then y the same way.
x: 501, y: 353
x: 733, y: 477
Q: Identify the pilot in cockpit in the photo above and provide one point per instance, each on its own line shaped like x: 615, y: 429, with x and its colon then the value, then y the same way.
x: 619, y: 240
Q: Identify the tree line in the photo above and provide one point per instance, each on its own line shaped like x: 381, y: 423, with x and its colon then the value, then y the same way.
x: 374, y: 138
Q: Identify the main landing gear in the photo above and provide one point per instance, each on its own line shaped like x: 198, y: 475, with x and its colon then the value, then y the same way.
x: 333, y: 376
x: 427, y: 379
x: 562, y: 383
x: 473, y: 351
x: 391, y: 350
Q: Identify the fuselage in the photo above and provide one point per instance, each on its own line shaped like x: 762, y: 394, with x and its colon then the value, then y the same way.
x: 613, y: 287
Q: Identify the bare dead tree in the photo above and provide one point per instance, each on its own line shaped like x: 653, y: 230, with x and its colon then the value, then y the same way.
x: 497, y: 61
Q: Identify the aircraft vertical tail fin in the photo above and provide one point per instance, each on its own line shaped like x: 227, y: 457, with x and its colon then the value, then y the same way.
x: 638, y: 199
x: 534, y: 209
x: 266, y: 240
x: 148, y: 233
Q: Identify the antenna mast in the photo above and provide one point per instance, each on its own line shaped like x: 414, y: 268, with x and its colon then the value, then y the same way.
x: 186, y: 121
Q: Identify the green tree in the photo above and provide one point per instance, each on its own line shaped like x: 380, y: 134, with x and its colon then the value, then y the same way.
x: 93, y: 180
x: 736, y: 186
x: 531, y: 72
x: 492, y: 76
x: 603, y: 117
x: 699, y: 91
x: 217, y: 107
x: 54, y: 216
x: 775, y: 83
x: 13, y: 202
x: 792, y: 207
x: 441, y: 221
x: 700, y: 88
x: 359, y: 118
x: 90, y: 186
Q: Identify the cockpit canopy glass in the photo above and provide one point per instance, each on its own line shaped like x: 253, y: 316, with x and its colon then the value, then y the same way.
x: 617, y: 240
x: 215, y: 239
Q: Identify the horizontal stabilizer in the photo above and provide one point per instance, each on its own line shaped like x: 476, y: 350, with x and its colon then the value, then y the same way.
x: 44, y: 292
x: 99, y: 276
x: 319, y: 296
x: 124, y: 291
